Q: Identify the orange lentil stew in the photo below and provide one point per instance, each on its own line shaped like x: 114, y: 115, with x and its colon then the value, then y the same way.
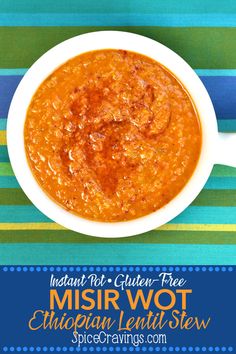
x: 112, y: 135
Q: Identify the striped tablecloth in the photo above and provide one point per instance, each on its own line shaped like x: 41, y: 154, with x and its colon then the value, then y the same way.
x: 203, y: 32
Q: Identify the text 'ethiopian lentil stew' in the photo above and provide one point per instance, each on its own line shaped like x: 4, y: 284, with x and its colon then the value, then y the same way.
x: 111, y: 135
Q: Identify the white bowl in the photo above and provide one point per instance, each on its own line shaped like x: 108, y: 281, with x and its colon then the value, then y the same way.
x: 215, y: 146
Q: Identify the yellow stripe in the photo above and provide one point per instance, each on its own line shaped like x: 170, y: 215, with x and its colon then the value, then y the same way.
x: 31, y: 226
x: 3, y: 139
x: 198, y: 227
x: 167, y: 227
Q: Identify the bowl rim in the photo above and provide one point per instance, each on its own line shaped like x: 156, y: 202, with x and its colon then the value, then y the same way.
x: 58, y: 55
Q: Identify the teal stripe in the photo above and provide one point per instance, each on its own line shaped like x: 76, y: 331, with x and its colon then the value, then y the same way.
x: 200, y: 72
x: 224, y: 125
x: 8, y: 182
x: 227, y: 125
x: 212, y: 183
x: 216, y: 72
x: 221, y: 183
x: 121, y: 6
x: 117, y: 19
x: 116, y: 254
x: 6, y: 72
x: 21, y: 214
x: 206, y: 215
x: 3, y: 124
x: 192, y: 215
x: 4, y: 154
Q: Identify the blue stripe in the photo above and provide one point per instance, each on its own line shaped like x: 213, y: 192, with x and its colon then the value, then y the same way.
x: 221, y: 89
x: 119, y: 19
x: 222, y: 92
x: 192, y: 215
x: 119, y: 254
x: 8, y: 85
x: 8, y: 182
x: 200, y: 72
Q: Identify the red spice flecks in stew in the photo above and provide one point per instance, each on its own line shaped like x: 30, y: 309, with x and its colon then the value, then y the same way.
x: 112, y: 135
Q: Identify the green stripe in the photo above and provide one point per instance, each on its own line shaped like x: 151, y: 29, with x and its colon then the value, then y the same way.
x: 5, y: 169
x: 121, y: 6
x: 152, y: 237
x: 223, y: 171
x: 216, y: 198
x: 114, y: 254
x: 13, y: 196
x: 184, y: 41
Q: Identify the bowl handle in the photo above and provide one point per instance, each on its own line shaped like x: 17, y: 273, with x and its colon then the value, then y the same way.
x: 226, y: 149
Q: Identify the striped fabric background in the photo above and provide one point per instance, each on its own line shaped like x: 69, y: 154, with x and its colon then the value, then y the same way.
x: 203, y: 32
